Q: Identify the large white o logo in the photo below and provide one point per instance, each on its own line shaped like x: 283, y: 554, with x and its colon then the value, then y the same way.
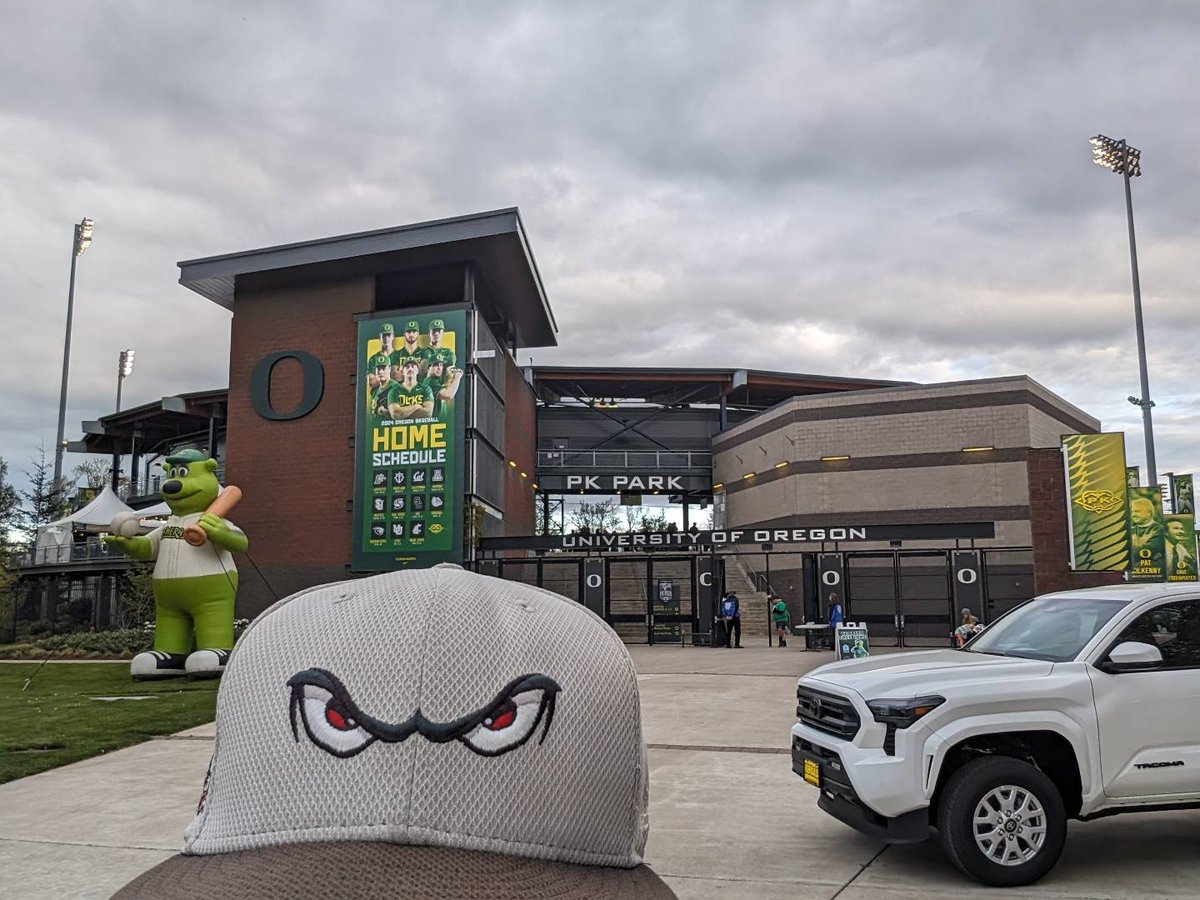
x: 831, y: 578
x: 967, y: 576
x: 594, y: 580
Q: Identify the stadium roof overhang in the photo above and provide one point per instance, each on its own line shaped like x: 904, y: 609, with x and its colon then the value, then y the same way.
x: 494, y: 242
x: 152, y: 425
x: 744, y: 388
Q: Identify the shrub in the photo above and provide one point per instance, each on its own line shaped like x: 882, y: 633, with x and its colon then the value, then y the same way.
x: 122, y: 644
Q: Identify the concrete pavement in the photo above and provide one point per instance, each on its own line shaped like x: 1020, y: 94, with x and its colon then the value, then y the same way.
x: 728, y: 817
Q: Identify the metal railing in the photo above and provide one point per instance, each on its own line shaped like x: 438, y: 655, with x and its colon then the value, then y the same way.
x: 92, y: 551
x: 650, y: 460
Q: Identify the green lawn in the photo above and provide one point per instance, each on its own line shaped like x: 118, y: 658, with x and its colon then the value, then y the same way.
x: 55, y: 721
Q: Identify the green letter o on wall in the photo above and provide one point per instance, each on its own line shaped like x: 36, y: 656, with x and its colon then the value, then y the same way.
x: 312, y: 384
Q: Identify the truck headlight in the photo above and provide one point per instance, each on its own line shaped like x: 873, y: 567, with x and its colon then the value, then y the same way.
x: 902, y: 713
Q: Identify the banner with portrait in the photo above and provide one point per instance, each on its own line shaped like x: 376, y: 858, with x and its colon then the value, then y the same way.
x: 1183, y: 492
x: 1133, y: 476
x: 409, y: 439
x: 1180, y: 547
x: 1147, y: 534
x: 1097, y: 519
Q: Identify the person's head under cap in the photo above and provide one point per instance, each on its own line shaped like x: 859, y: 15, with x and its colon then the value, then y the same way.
x: 368, y: 746
x: 382, y: 364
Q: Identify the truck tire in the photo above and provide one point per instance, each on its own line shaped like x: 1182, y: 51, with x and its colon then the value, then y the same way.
x: 1002, y: 821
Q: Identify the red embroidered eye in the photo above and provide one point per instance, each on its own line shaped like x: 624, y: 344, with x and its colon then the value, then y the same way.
x: 502, y: 719
x: 337, y: 720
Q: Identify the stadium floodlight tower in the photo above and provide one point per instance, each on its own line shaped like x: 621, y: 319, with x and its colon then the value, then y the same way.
x: 1126, y: 161
x: 124, y: 370
x: 83, y: 240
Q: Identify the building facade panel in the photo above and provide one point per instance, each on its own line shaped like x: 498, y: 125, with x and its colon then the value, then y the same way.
x: 279, y: 462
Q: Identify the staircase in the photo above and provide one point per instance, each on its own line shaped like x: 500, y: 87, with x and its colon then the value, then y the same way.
x: 755, y: 609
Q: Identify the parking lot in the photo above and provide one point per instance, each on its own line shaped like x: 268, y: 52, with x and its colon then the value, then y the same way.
x: 728, y: 817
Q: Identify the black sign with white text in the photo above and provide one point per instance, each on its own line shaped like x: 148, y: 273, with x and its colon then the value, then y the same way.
x: 681, y: 540
x: 638, y: 482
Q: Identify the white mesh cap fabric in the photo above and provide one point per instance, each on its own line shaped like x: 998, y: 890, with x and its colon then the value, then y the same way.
x: 431, y: 707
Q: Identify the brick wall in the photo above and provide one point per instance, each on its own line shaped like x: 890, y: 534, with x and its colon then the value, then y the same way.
x: 1048, y: 518
x: 520, y: 441
x: 297, y: 475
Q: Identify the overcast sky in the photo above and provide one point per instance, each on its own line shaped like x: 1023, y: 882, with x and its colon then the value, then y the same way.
x: 899, y: 190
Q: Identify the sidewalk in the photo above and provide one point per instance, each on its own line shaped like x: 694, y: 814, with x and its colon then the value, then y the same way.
x: 728, y: 817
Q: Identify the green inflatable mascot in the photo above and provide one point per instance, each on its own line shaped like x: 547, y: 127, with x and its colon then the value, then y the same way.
x: 195, y: 579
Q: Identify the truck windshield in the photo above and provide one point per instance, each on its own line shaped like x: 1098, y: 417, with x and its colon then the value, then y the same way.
x: 1051, y: 628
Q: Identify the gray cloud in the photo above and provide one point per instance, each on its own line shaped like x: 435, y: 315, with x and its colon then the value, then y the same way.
x: 866, y: 188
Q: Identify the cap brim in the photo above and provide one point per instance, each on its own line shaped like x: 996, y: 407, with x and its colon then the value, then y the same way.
x: 350, y: 870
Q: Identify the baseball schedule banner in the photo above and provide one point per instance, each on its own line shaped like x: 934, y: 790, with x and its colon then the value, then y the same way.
x: 1147, y: 535
x: 409, y: 440
x: 1096, y: 503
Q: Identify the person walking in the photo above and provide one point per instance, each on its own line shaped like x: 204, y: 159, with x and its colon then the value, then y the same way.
x: 731, y: 613
x: 781, y: 617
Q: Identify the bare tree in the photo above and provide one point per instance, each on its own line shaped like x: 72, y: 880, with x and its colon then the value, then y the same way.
x: 95, y: 473
x: 593, y: 518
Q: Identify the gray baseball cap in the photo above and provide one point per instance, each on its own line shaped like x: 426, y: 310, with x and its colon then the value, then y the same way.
x: 369, y: 745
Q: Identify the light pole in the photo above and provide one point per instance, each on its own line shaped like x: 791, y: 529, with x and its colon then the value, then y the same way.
x: 83, y: 239
x: 1126, y: 161
x: 124, y: 370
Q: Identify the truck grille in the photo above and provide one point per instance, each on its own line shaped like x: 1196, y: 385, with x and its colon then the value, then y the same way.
x: 825, y: 712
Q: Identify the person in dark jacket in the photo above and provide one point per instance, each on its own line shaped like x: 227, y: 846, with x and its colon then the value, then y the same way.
x: 731, y: 614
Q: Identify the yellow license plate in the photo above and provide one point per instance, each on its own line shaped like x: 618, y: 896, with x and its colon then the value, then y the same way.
x: 812, y: 772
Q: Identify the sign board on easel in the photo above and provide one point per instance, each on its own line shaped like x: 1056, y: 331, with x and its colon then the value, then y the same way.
x: 852, y: 641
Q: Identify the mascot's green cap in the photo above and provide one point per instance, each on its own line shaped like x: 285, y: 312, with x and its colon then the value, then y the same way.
x: 186, y: 456
x: 386, y: 328
x: 412, y: 325
x: 380, y: 360
x: 437, y: 325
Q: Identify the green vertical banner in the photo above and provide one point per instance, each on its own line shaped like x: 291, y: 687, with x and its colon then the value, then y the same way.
x: 1096, y: 503
x: 1184, y: 493
x: 1133, y: 476
x: 409, y: 440
x: 1147, y: 535
x: 1180, y: 556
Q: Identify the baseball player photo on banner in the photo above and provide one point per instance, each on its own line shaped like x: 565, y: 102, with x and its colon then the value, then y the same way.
x: 409, y: 440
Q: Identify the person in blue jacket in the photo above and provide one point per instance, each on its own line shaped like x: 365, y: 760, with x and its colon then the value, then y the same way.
x: 835, y: 618
x: 731, y: 613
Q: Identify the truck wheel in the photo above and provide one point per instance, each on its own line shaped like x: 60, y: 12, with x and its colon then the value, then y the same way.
x: 1002, y: 821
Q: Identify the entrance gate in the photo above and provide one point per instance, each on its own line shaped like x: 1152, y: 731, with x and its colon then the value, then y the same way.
x: 648, y: 599
x: 907, y: 598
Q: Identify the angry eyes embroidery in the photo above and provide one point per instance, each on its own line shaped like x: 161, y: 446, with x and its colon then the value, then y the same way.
x: 334, y: 722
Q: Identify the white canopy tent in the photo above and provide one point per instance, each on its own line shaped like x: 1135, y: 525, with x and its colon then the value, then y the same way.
x: 54, y: 539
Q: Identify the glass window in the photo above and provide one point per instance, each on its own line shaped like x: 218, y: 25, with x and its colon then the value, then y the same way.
x: 1174, y: 628
x: 1051, y: 628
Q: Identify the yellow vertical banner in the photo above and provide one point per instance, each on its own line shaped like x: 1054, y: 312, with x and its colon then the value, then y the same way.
x: 1097, y: 506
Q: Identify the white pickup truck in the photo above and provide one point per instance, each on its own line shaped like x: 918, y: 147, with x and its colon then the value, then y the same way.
x: 1078, y: 704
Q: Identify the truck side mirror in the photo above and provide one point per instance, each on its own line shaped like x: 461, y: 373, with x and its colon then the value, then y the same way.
x: 1132, y: 656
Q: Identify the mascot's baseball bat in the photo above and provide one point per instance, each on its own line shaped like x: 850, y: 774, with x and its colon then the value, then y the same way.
x: 225, y: 502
